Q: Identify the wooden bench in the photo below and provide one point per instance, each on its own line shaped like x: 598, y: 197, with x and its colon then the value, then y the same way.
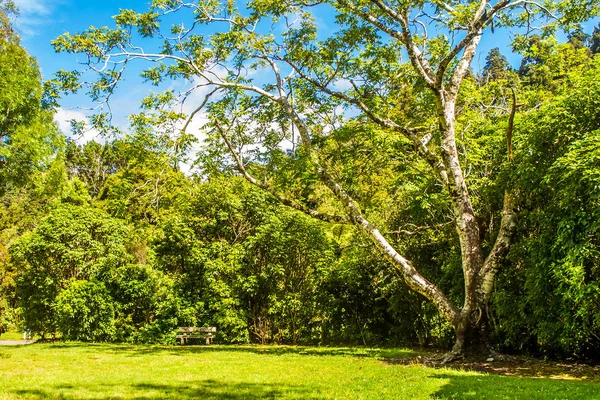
x: 207, y: 333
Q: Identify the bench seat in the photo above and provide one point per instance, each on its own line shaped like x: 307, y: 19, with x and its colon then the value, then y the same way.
x: 208, y: 333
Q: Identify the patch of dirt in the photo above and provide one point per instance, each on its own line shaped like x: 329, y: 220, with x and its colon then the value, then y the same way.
x: 512, y: 366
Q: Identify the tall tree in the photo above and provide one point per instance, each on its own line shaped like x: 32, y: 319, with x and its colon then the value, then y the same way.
x: 595, y: 40
x: 271, y: 78
x: 496, y: 65
x: 28, y: 137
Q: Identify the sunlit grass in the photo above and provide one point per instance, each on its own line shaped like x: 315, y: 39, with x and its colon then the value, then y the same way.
x: 13, y: 335
x: 83, y: 371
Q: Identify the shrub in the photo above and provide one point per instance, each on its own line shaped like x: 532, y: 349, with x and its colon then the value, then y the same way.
x: 85, y: 312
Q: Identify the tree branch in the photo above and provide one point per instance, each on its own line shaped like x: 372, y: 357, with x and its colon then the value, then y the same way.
x: 199, y: 108
x: 420, y: 145
x: 370, y: 18
x: 411, y: 276
x: 508, y: 226
x: 419, y: 62
x: 494, y: 261
x: 284, y: 200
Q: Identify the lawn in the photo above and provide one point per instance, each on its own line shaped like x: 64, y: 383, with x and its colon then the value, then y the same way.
x: 13, y: 335
x: 102, y: 371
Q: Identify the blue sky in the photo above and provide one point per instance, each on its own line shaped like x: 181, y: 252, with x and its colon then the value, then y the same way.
x: 43, y: 20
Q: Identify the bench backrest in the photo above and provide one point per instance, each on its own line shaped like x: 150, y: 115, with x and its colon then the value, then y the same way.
x: 210, y: 329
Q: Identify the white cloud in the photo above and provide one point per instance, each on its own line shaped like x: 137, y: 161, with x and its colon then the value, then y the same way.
x: 192, y: 101
x: 35, y: 7
x: 341, y: 85
x: 34, y: 13
x: 63, y: 118
x: 195, y: 127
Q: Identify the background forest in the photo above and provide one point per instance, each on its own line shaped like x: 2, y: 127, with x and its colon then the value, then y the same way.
x: 111, y: 241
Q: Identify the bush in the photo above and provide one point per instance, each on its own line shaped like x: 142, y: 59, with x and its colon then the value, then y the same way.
x: 85, y: 312
x: 146, y: 305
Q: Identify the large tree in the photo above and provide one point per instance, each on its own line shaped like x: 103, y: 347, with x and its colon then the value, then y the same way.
x: 269, y: 76
x: 28, y: 136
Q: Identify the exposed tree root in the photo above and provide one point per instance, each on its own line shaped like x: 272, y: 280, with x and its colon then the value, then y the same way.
x: 505, y: 365
x: 454, y: 355
x: 500, y: 356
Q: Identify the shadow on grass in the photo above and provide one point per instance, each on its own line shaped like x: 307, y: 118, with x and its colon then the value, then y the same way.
x: 532, y: 368
x: 513, y: 387
x: 207, y: 389
x: 285, y: 350
x: 516, y: 366
x: 144, y: 350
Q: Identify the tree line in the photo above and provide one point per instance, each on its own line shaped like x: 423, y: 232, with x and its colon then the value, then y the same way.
x: 445, y: 206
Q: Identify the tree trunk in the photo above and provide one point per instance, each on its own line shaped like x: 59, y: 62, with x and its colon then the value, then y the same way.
x: 472, y: 335
x: 471, y: 324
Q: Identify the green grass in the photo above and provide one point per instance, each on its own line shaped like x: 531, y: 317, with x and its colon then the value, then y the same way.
x: 12, y: 335
x: 84, y: 371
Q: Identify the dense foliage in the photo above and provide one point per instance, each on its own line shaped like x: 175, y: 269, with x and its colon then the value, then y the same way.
x: 112, y: 242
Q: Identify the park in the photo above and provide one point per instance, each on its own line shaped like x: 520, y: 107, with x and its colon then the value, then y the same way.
x: 287, y: 199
